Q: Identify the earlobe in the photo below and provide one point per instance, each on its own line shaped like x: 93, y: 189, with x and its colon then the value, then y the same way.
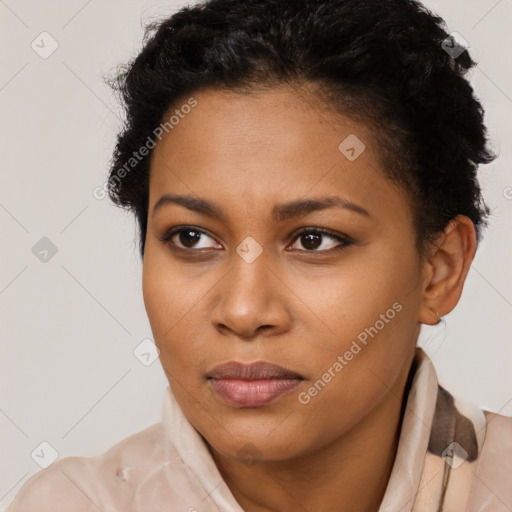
x: 447, y: 268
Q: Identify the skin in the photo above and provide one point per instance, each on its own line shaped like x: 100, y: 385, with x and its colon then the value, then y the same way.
x: 296, y: 305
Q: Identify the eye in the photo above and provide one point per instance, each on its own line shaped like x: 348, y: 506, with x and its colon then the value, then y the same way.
x: 317, y: 240
x: 188, y: 238
x: 312, y: 239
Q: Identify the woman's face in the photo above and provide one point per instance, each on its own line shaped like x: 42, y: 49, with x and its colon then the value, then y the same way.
x: 250, y: 277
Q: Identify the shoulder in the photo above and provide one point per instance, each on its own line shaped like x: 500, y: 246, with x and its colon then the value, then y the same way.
x: 85, y: 483
x: 57, y: 488
x: 490, y: 488
x: 476, y: 446
x: 471, y: 449
x: 476, y: 430
x: 496, y: 453
x: 498, y: 428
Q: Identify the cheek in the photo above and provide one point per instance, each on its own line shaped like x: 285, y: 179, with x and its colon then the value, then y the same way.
x: 352, y: 378
x: 167, y: 297
x: 157, y: 298
x: 172, y: 304
x: 373, y: 313
x: 372, y: 296
x: 165, y: 306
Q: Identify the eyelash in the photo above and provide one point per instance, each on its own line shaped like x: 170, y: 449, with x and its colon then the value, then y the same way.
x: 344, y: 240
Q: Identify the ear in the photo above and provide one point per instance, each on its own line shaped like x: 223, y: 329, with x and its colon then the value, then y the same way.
x: 446, y: 267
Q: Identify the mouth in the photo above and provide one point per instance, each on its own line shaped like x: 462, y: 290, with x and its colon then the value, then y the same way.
x: 252, y: 385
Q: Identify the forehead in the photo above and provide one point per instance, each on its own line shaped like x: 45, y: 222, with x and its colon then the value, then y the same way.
x: 266, y: 147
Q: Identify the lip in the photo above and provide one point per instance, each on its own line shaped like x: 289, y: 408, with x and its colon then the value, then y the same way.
x: 252, y: 385
x: 259, y: 370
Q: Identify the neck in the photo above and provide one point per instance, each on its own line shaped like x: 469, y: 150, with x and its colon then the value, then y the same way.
x: 350, y: 474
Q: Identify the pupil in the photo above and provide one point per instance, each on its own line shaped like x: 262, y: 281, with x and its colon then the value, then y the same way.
x: 188, y: 238
x: 311, y: 240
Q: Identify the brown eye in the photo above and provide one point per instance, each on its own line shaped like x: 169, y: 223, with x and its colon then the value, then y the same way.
x: 189, y: 238
x: 311, y: 240
x: 318, y: 240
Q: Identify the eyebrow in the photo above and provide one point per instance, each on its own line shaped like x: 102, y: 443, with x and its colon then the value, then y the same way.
x: 280, y: 213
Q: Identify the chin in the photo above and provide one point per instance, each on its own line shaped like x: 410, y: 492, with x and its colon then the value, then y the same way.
x: 258, y: 446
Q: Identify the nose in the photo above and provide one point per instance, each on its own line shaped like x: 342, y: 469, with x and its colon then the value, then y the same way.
x: 253, y: 300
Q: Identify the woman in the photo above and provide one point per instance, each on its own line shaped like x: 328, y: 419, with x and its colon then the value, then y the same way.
x: 303, y: 174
